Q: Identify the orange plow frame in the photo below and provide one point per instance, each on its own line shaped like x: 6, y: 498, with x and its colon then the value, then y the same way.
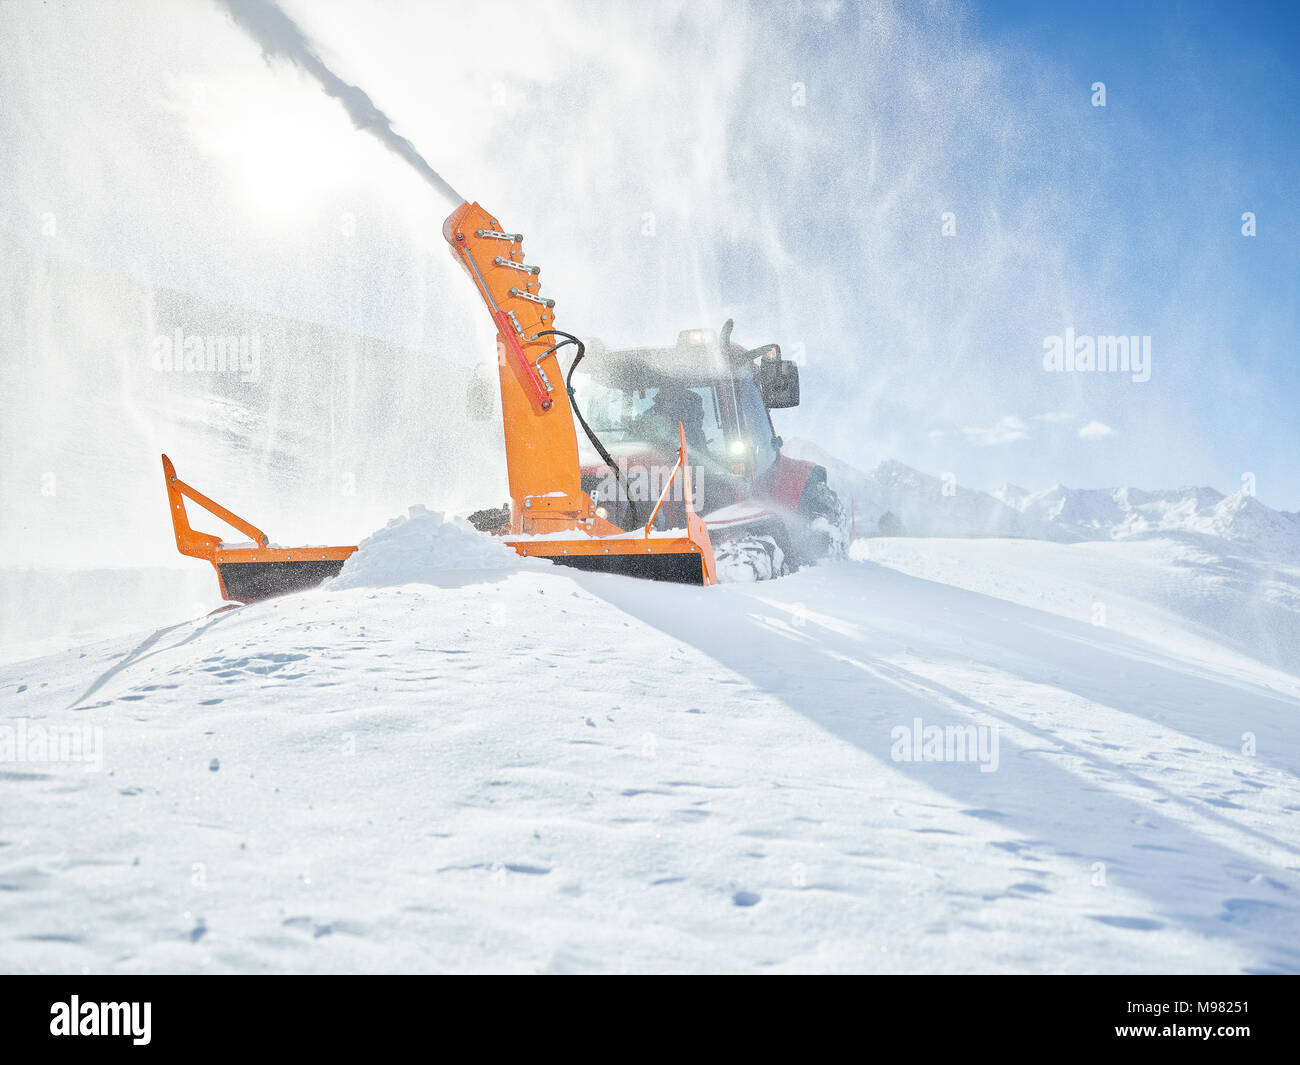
x: 274, y: 570
x: 627, y: 553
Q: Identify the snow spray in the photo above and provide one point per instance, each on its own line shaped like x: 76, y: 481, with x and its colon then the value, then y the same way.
x: 280, y: 36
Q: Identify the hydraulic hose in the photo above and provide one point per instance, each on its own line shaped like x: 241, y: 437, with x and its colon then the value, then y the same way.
x: 608, y: 459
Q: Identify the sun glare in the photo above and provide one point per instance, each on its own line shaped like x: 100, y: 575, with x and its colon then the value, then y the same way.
x: 286, y: 149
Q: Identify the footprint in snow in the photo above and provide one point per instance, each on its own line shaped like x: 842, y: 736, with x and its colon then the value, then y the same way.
x: 309, y: 926
x: 1252, y: 911
x: 746, y: 898
x: 1245, y: 874
x: 1137, y: 924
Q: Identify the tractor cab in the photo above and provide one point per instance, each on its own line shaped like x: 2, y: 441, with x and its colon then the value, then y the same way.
x: 634, y: 399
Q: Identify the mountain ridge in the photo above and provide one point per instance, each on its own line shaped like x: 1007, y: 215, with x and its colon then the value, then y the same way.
x: 912, y: 503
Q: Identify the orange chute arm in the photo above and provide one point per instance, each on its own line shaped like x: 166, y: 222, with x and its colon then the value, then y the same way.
x: 541, y: 445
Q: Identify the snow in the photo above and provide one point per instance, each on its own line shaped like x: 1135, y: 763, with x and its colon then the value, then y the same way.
x: 425, y: 546
x: 453, y: 759
x: 44, y: 610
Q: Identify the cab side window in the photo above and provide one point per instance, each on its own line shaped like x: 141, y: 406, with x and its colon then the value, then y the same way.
x: 758, y: 425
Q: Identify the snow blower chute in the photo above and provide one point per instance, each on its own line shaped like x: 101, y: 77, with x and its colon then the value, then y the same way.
x: 550, y: 516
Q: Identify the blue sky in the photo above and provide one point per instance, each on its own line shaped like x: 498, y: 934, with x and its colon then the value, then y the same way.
x: 1125, y: 219
x: 1202, y: 106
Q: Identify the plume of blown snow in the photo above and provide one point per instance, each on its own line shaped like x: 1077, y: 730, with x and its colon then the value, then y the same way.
x: 279, y: 36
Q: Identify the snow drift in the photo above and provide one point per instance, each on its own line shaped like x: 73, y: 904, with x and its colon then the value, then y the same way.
x: 534, y: 769
x: 425, y: 547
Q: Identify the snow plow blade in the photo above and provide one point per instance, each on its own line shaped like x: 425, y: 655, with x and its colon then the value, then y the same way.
x: 678, y: 564
x: 679, y: 558
x: 247, y: 572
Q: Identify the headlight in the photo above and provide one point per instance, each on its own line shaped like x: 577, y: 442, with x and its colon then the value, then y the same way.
x: 695, y: 336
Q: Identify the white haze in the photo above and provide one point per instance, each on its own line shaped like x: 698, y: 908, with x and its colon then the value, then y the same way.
x: 152, y: 148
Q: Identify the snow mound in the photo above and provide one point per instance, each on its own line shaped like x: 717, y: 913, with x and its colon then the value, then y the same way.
x: 423, y: 547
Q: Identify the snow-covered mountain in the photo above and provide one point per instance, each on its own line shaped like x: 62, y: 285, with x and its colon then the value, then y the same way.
x: 1123, y: 513
x: 894, y: 499
x: 911, y: 503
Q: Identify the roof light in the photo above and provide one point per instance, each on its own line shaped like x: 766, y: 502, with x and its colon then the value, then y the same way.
x: 691, y: 337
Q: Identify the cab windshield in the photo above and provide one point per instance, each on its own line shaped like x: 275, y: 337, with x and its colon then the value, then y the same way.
x: 621, y: 414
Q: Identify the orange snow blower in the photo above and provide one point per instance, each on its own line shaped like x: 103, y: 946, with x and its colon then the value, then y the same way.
x: 550, y: 515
